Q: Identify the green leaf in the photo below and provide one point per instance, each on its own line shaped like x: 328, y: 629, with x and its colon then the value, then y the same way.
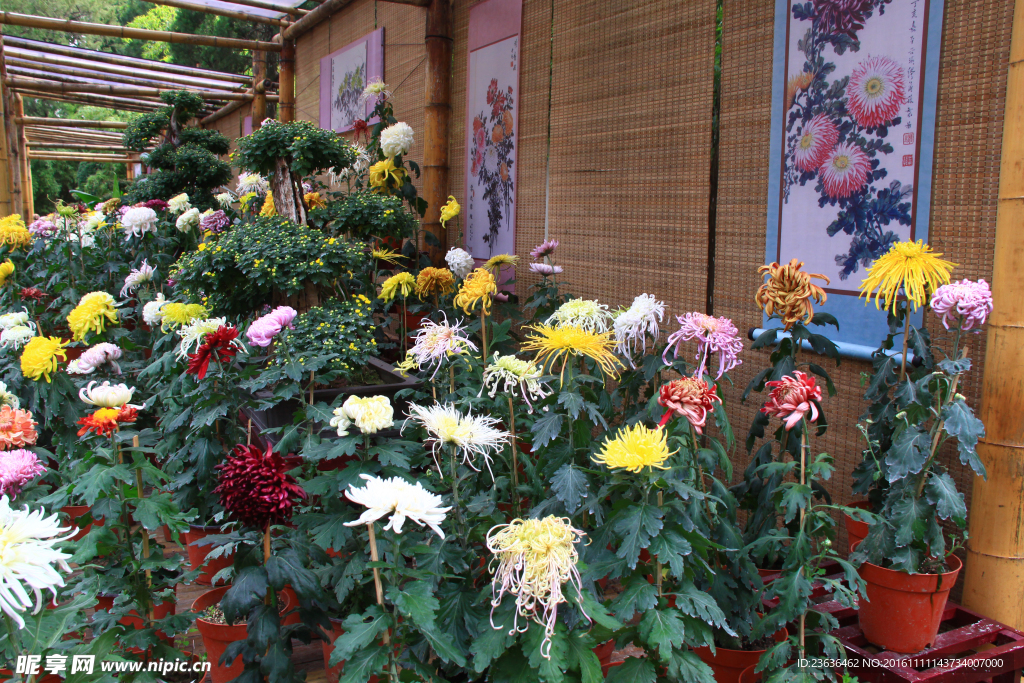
x: 696, y: 603
x: 570, y: 486
x: 634, y: 670
x: 908, y: 454
x: 362, y: 665
x: 664, y: 630
x: 671, y: 548
x: 639, y: 596
x: 286, y: 567
x: 489, y: 646
x: 635, y: 526
x: 551, y: 668
x: 546, y: 429
x: 949, y: 503
x: 572, y: 401
x: 155, y: 510
x: 247, y: 590
x: 415, y: 600
x: 361, y: 630
x: 960, y: 421
x: 444, y: 644
x: 598, y: 613
x: 99, y: 481
x: 909, y: 517
x: 685, y: 665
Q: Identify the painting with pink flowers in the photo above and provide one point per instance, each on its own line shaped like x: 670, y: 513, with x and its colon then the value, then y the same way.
x: 851, y: 133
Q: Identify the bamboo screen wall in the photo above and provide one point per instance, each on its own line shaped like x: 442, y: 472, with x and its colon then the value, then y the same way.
x: 232, y: 127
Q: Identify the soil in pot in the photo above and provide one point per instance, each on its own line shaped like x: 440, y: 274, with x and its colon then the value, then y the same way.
x: 857, y: 531
x: 197, y: 554
x: 729, y: 664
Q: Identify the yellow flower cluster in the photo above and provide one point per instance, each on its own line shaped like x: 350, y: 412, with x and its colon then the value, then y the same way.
x: 268, y: 206
x: 476, y: 288
x: 177, y: 314
x: 398, y: 284
x: 13, y: 232
x: 432, y: 281
x: 39, y: 358
x: 635, y: 448
x: 910, y: 266
x: 6, y: 270
x: 92, y: 314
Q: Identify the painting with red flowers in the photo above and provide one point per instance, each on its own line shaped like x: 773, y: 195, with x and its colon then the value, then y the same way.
x: 850, y: 149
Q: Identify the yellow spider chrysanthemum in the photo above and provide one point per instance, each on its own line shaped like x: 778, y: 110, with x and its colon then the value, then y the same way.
x: 268, y: 206
x: 789, y: 292
x: 385, y: 254
x: 552, y: 343
x: 433, y: 281
x: 40, y: 357
x: 244, y: 200
x: 175, y: 314
x: 449, y: 211
x: 635, y: 448
x: 314, y: 200
x: 495, y: 263
x: 381, y: 171
x: 13, y: 232
x: 477, y: 287
x: 398, y: 284
x: 92, y: 314
x: 910, y: 266
x: 6, y: 270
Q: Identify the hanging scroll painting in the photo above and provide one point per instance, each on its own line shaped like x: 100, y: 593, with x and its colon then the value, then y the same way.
x: 343, y: 75
x: 492, y: 127
x: 852, y: 141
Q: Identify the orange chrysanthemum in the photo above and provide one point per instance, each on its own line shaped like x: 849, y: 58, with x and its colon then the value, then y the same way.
x: 433, y: 281
x: 17, y: 428
x: 789, y: 292
x: 106, y: 421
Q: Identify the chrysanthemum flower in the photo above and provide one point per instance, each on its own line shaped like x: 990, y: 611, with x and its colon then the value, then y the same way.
x: 792, y: 398
x: 137, y: 221
x: 545, y: 248
x: 398, y: 284
x: 512, y: 373
x: 40, y: 357
x: 844, y: 171
x: 179, y: 203
x: 797, y: 84
x: 388, y: 255
x: 173, y: 314
x: 17, y: 336
x: 17, y: 428
x: 220, y: 345
x: 814, y: 143
x: 545, y: 269
x: 970, y: 301
x: 106, y: 421
x: 554, y: 343
x: 194, y: 333
x: 357, y: 169
x: 314, y: 200
x: 434, y: 281
x: 6, y: 270
x: 471, y: 435
x: 32, y: 294
x: 396, y: 139
x: 635, y: 448
x: 224, y: 200
x: 255, y: 488
x: 910, y: 266
x: 690, y: 398
x: 499, y: 261
x: 789, y: 292
x: 376, y: 88
x: 106, y: 395
x: 583, y: 313
x: 251, y: 183
x: 535, y: 558
x: 152, y: 312
x: 369, y: 414
x: 381, y: 171
x: 449, y: 211
x: 434, y: 342
x: 17, y: 468
x: 43, y: 227
x: 7, y: 398
x: 264, y: 329
x: 401, y: 500
x: 188, y: 220
x: 876, y: 91
x: 95, y: 357
x: 92, y: 314
x: 713, y: 335
x: 26, y: 555
x: 268, y: 208
x: 13, y: 232
x: 632, y: 325
x: 214, y: 221
x: 138, y: 277
x: 9, y: 320
x: 476, y: 288
x: 459, y: 262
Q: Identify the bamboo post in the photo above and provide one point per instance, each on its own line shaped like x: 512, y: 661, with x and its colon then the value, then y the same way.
x: 72, y: 123
x: 286, y: 81
x: 27, y: 208
x: 11, y: 140
x: 221, y: 11
x: 437, y: 118
x: 259, y: 101
x: 314, y: 17
x: 21, y: 82
x: 6, y: 204
x: 995, y: 551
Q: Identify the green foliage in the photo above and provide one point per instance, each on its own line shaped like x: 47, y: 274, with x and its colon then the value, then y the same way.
x: 367, y: 215
x: 144, y: 127
x: 343, y: 329
x: 307, y: 149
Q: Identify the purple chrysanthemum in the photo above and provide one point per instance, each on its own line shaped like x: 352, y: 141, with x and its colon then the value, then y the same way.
x: 545, y: 248
x: 972, y: 301
x: 214, y: 222
x: 17, y: 468
x: 713, y: 335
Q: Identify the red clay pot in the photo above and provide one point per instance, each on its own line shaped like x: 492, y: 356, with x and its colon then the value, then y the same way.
x: 133, y: 620
x: 604, y: 653
x: 749, y: 676
x: 857, y: 531
x: 334, y: 672
x: 729, y: 664
x: 7, y: 674
x: 903, y: 611
x: 197, y: 554
x: 217, y: 637
x: 74, y: 512
x: 413, y: 321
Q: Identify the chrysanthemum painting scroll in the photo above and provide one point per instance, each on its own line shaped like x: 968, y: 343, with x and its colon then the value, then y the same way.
x: 853, y: 122
x: 343, y: 76
x: 492, y: 127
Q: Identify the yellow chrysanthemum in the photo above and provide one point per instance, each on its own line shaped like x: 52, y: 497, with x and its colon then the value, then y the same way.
x: 789, y: 292
x: 477, y: 287
x: 176, y: 314
x: 244, y: 200
x: 314, y: 200
x: 385, y: 254
x: 635, y: 448
x: 6, y: 270
x: 92, y: 314
x: 381, y: 171
x: 495, y: 263
x: 433, y: 281
x: 400, y: 283
x: 40, y: 357
x: 13, y: 232
x: 552, y: 343
x: 910, y: 266
x: 268, y: 206
x: 449, y: 211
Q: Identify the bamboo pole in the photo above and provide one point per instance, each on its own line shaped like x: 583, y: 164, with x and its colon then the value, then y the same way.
x: 28, y: 69
x: 72, y: 145
x: 22, y: 44
x: 437, y: 119
x: 413, y: 3
x: 68, y: 134
x: 10, y: 139
x: 90, y: 29
x: 286, y: 79
x: 20, y: 82
x: 98, y: 70
x: 309, y: 21
x: 6, y: 205
x: 72, y: 139
x: 91, y: 159
x: 27, y: 208
x: 259, y: 75
x: 73, y: 123
x: 995, y: 551
x: 259, y: 4
x: 228, y: 108
x: 136, y: 105
x: 221, y: 11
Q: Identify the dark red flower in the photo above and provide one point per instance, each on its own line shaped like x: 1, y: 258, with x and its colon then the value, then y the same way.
x: 156, y: 204
x: 219, y: 344
x: 33, y: 294
x: 359, y: 127
x: 255, y: 487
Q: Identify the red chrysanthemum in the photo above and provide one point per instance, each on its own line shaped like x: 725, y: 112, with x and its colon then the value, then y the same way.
x: 816, y: 140
x: 359, y: 128
x: 876, y: 91
x: 255, y: 487
x: 792, y: 398
x: 845, y: 171
x: 690, y: 398
x: 32, y: 293
x: 842, y: 16
x: 106, y: 421
x: 220, y: 344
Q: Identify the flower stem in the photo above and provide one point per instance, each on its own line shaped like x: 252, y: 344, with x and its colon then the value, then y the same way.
x: 404, y: 331
x: 145, y: 534
x: 906, y: 334
x: 379, y: 588
x: 515, y: 460
x: 483, y: 332
x: 937, y: 435
x: 657, y: 564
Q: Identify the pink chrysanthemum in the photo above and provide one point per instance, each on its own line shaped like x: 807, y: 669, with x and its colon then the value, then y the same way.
x: 545, y: 269
x: 792, y: 398
x: 436, y: 342
x: 972, y: 301
x: 876, y: 91
x: 845, y: 171
x: 713, y: 335
x: 263, y: 330
x: 17, y: 468
x: 545, y: 248
x: 816, y: 140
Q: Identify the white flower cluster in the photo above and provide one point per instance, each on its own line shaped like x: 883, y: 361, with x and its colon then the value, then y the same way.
x: 396, y: 139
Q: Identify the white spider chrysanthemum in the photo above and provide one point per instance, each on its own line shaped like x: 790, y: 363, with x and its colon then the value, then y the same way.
x: 194, y: 332
x: 17, y: 336
x: 632, y: 325
x: 7, y: 398
x: 401, y: 500
x: 357, y: 169
x: 188, y: 220
x: 92, y: 220
x: 251, y: 182
x: 137, y: 221
x: 375, y: 88
x: 396, y: 139
x: 224, y: 200
x: 138, y: 277
x: 470, y: 435
x: 106, y: 395
x: 179, y: 203
x: 459, y: 262
x: 151, y: 311
x: 370, y: 414
x: 434, y: 342
x: 26, y: 555
x: 582, y: 313
x: 512, y: 373
x: 9, y: 320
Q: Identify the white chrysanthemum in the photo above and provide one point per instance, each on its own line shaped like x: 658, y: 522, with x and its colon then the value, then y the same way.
x: 583, y: 313
x: 26, y: 555
x: 358, y: 167
x: 252, y: 182
x: 151, y: 311
x: 9, y: 320
x: 224, y: 200
x: 188, y: 220
x: 106, y: 395
x: 512, y: 373
x: 137, y: 221
x: 194, y: 332
x: 17, y: 336
x: 94, y: 357
x: 179, y: 203
x: 396, y: 139
x: 370, y: 414
x: 92, y: 220
x: 7, y: 398
x: 469, y: 435
x: 138, y: 277
x: 632, y: 325
x: 401, y: 500
x: 459, y: 262
x: 437, y: 341
x: 375, y: 88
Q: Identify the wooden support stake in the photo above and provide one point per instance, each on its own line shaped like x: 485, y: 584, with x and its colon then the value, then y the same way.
x: 259, y: 101
x: 286, y: 79
x: 437, y: 120
x: 27, y: 203
x: 73, y: 123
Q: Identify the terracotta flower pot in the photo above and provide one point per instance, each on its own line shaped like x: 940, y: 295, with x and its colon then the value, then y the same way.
x: 334, y: 672
x: 7, y: 674
x: 857, y: 531
x: 133, y: 620
x: 903, y: 611
x: 729, y: 664
x: 749, y: 676
x: 217, y: 637
x: 413, y: 321
x: 604, y: 653
x: 74, y: 512
x: 197, y: 554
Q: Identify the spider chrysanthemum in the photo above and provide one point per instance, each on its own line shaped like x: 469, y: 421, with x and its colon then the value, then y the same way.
x: 909, y: 266
x: 554, y: 344
x: 470, y: 435
x: 477, y: 288
x: 583, y: 313
x: 789, y: 292
x: 635, y: 448
x: 511, y: 373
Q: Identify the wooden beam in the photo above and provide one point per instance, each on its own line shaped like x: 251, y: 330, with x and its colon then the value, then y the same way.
x: 72, y: 133
x: 130, y: 62
x: 42, y: 156
x: 316, y: 16
x: 21, y: 82
x: 286, y: 80
x: 437, y: 119
x: 294, y: 11
x: 72, y: 145
x: 234, y: 14
x: 90, y: 29
x: 210, y: 97
x: 414, y: 3
x: 259, y: 74
x: 70, y: 123
x: 98, y: 101
x: 67, y: 72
